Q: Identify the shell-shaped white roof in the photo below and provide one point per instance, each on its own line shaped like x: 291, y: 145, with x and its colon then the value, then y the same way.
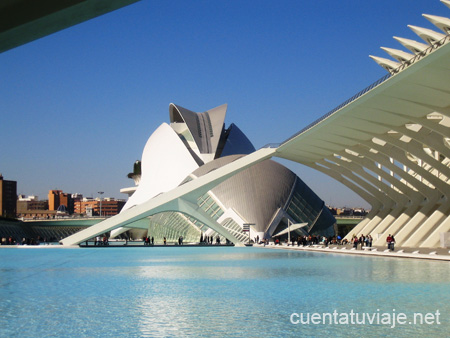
x: 165, y: 163
x: 205, y: 128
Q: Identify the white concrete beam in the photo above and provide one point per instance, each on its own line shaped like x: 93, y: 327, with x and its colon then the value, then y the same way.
x: 169, y: 201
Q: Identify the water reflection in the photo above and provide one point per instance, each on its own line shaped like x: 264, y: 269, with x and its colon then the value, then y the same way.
x: 209, y: 292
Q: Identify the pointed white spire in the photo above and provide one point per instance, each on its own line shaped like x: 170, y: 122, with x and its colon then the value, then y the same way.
x: 387, y: 64
x: 427, y: 35
x: 446, y: 3
x: 439, y: 21
x: 413, y: 46
x: 398, y: 54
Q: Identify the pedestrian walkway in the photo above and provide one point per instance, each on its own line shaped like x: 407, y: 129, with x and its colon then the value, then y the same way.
x: 440, y: 254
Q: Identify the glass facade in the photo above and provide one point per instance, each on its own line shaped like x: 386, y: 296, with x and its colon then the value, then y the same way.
x: 208, y: 205
x: 172, y: 225
x: 235, y: 229
x: 306, y: 206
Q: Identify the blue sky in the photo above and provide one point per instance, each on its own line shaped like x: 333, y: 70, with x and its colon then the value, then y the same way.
x: 78, y: 106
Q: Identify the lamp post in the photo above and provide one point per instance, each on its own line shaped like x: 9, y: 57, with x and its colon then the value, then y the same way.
x: 101, y: 193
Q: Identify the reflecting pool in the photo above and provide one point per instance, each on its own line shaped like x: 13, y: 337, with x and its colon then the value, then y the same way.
x: 218, y: 291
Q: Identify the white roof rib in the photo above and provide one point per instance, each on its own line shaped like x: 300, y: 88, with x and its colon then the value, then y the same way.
x: 440, y: 22
x: 387, y: 64
x: 427, y: 35
x: 413, y: 46
x: 446, y: 3
x: 398, y: 54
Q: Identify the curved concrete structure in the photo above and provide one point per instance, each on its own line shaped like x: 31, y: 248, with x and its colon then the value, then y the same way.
x: 165, y: 164
x: 201, y: 131
x: 389, y: 143
x: 267, y: 195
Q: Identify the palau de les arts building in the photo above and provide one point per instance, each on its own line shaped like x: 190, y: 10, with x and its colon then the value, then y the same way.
x: 267, y: 196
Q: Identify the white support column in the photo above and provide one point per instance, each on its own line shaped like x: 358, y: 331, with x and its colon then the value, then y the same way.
x: 419, y: 217
x: 426, y: 227
x: 433, y: 240
x: 388, y: 220
x: 380, y: 216
x: 361, y: 225
x: 400, y: 221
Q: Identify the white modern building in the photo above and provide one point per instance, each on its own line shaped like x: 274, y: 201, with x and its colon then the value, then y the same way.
x: 389, y: 143
x: 268, y: 195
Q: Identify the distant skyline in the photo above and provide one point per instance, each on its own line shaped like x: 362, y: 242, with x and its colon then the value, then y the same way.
x: 78, y: 106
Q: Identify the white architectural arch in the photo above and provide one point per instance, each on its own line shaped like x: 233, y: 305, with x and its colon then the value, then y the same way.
x: 183, y: 198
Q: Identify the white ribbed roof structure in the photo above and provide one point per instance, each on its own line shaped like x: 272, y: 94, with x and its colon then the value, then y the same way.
x: 390, y: 144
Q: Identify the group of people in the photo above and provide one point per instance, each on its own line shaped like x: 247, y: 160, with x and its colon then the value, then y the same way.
x: 367, y: 241
x: 148, y: 241
x: 8, y: 241
x: 364, y: 241
x: 101, y: 241
x: 306, y: 240
x: 25, y: 241
x: 209, y: 240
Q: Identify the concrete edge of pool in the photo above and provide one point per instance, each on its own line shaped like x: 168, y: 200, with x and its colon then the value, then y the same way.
x: 440, y: 254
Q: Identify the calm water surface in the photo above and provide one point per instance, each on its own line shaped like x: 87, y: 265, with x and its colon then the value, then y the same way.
x: 206, y: 292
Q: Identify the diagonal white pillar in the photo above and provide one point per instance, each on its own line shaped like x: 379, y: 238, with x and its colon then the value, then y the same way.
x: 169, y: 201
x: 194, y: 210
